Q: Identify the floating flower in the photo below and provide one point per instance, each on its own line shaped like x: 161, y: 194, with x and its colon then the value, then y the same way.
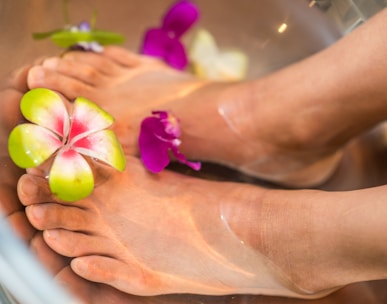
x: 54, y: 134
x: 160, y: 134
x: 209, y: 62
x: 164, y: 42
x: 81, y: 37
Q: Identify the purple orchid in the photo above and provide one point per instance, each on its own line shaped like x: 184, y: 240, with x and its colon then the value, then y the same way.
x: 160, y: 134
x: 164, y: 42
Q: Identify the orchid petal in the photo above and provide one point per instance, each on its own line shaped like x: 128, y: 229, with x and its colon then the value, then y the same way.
x: 209, y: 62
x: 171, y: 123
x: 180, y: 157
x: 158, y: 135
x: 176, y: 56
x: 104, y: 146
x: 155, y: 43
x: 231, y: 66
x: 180, y: 17
x: 45, y: 108
x: 153, y: 150
x: 71, y: 177
x: 88, y: 118
x: 30, y: 145
x: 203, y: 46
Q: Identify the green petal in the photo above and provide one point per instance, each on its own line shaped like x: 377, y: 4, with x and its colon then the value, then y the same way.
x: 30, y: 145
x: 104, y: 146
x: 71, y: 177
x: 88, y: 118
x: 66, y: 39
x: 45, y: 108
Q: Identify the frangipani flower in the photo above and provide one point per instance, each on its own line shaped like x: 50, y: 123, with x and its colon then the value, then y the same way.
x: 81, y: 37
x: 164, y: 42
x: 160, y: 134
x: 54, y: 134
x: 208, y: 62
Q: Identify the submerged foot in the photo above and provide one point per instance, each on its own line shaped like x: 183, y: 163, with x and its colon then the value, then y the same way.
x: 130, y: 86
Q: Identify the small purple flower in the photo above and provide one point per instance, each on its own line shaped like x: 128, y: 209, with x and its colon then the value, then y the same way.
x: 84, y: 26
x: 164, y: 42
x: 160, y: 134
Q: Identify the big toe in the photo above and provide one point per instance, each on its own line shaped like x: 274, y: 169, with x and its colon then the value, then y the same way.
x: 33, y: 189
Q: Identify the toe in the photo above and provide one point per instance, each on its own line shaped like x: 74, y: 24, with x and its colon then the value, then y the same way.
x: 101, y: 64
x: 74, y: 244
x: 130, y: 278
x: 56, y: 216
x: 33, y: 189
x: 77, y: 70
x: 71, y: 88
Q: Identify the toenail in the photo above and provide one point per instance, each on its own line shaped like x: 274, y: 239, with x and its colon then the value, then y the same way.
x: 36, y: 212
x: 36, y: 74
x: 51, y: 234
x: 78, y: 265
x: 51, y: 63
x: 29, y: 188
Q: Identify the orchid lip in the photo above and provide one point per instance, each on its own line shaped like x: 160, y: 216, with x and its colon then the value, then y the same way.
x: 165, y: 41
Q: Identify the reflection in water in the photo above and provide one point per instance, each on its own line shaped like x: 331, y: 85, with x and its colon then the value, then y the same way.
x: 273, y: 33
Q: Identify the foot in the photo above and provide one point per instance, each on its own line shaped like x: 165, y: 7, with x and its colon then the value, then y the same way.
x: 127, y: 85
x: 157, y: 234
x: 248, y: 126
x: 130, y: 86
